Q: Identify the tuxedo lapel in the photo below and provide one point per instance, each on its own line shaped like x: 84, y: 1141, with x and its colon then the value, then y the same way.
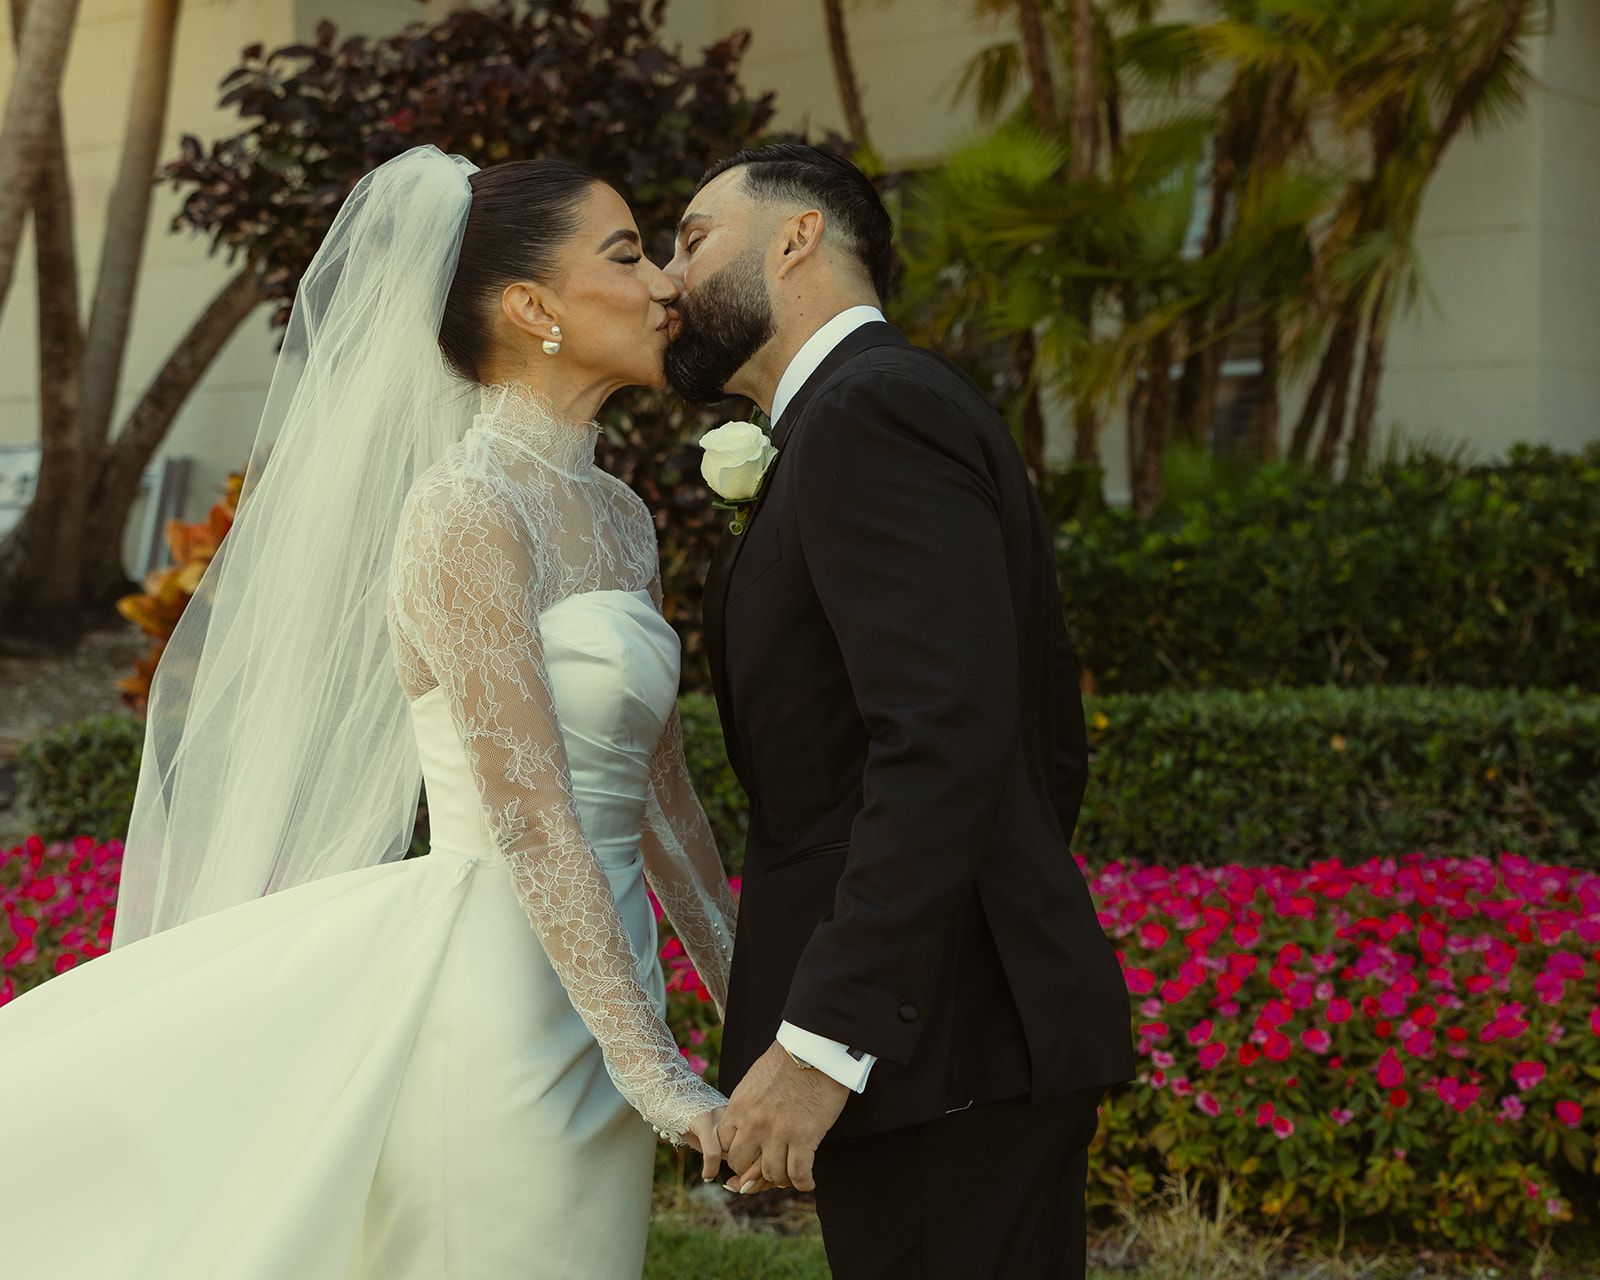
x: 726, y: 557
x: 877, y: 334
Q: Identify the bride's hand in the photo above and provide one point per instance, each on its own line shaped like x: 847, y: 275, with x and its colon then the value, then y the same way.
x: 702, y: 1136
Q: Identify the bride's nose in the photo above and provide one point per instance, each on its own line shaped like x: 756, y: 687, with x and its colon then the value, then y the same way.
x: 662, y: 289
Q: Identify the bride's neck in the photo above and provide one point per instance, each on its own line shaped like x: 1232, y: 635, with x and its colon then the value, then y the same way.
x: 573, y: 394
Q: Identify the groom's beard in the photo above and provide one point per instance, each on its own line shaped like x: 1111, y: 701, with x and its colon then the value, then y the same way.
x: 721, y: 326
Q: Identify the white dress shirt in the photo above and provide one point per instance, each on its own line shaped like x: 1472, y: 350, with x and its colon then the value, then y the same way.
x: 849, y: 1068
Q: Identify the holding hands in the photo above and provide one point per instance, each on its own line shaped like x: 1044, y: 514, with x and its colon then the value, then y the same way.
x: 770, y: 1130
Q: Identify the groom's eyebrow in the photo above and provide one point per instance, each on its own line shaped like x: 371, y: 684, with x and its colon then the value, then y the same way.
x: 690, y: 220
x: 617, y: 237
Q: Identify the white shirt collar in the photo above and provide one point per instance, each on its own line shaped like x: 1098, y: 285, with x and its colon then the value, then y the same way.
x: 816, y: 350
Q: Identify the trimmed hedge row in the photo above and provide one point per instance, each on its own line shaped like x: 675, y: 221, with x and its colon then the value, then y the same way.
x: 79, y: 779
x: 1291, y: 776
x: 1271, y: 778
x: 1429, y: 573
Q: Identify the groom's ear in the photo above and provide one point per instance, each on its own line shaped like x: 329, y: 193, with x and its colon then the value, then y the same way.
x: 524, y: 306
x: 799, y: 238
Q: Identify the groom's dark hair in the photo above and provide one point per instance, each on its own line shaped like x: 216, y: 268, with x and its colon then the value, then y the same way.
x: 795, y: 172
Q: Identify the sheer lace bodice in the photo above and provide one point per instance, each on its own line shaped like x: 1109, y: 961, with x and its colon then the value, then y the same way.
x: 515, y: 520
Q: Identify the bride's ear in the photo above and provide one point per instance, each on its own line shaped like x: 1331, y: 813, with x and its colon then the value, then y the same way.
x: 525, y: 306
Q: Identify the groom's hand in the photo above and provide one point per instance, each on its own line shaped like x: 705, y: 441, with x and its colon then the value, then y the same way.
x: 775, y: 1120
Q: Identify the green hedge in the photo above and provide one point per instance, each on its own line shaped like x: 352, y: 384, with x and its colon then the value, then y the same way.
x: 1288, y: 777
x: 1429, y: 573
x: 1280, y: 777
x: 79, y: 780
x: 1292, y: 776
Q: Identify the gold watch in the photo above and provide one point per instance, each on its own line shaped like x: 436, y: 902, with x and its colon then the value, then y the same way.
x: 799, y: 1062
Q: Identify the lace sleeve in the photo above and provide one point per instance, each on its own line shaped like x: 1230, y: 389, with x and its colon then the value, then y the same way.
x: 465, y: 599
x: 683, y: 867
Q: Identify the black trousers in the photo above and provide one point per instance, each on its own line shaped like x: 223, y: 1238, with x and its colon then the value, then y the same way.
x: 995, y: 1192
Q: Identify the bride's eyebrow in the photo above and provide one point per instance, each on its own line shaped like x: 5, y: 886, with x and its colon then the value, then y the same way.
x: 617, y: 237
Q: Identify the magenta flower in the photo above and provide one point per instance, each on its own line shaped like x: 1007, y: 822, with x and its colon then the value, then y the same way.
x: 1282, y: 1127
x: 1569, y: 1113
x: 1212, y: 1054
x: 1200, y: 1032
x: 1511, y: 1107
x: 1338, y: 1010
x: 1208, y: 1103
x: 1316, y: 1039
x: 1527, y: 1074
x: 1342, y: 1116
x: 1390, y: 1071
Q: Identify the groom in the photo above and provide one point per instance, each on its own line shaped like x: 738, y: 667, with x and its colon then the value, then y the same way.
x: 920, y: 983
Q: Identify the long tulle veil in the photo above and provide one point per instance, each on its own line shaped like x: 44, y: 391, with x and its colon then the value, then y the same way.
x: 278, y: 747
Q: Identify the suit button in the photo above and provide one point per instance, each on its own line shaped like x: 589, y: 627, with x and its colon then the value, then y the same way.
x: 908, y: 1013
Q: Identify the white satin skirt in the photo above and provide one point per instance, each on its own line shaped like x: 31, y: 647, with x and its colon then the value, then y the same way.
x: 376, y: 1076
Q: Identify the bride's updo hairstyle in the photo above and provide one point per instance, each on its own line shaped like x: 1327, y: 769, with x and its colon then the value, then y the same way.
x: 522, y: 215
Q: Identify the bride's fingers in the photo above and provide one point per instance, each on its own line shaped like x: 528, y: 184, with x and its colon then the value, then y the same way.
x: 709, y: 1145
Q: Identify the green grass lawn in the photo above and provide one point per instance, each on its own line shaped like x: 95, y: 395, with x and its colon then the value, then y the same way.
x: 705, y: 1253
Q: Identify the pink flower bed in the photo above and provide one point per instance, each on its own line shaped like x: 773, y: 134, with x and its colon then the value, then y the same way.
x: 1413, y: 1040
x: 57, y: 905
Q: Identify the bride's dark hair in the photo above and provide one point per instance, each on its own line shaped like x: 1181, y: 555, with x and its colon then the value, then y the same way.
x: 522, y: 214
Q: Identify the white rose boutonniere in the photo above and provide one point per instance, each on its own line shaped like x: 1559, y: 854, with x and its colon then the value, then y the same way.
x: 738, y: 457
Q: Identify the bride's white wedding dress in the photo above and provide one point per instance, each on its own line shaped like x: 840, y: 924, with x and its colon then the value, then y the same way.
x: 387, y: 1073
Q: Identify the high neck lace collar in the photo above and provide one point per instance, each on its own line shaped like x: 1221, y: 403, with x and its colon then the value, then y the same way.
x: 525, y: 418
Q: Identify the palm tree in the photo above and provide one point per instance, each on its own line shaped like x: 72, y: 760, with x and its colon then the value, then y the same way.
x: 1416, y: 73
x: 844, y: 73
x: 62, y: 563
x: 43, y: 32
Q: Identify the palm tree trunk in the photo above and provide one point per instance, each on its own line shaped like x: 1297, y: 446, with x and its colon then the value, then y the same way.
x: 1085, y: 93
x: 1157, y: 423
x: 1338, y: 405
x: 1036, y: 56
x: 25, y: 132
x: 128, y: 218
x: 1085, y: 435
x: 1032, y: 411
x: 1267, y: 408
x: 1305, y: 428
x: 844, y: 73
x: 117, y: 484
x: 1371, y: 377
x: 56, y: 269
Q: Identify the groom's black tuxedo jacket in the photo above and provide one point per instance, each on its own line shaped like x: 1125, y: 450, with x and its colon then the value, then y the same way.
x: 901, y: 704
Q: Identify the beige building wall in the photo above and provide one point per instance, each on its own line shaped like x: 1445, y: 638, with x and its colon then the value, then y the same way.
x: 1507, y: 348
x: 1510, y: 236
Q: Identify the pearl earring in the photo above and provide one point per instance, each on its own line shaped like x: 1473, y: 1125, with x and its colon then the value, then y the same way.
x: 552, y: 344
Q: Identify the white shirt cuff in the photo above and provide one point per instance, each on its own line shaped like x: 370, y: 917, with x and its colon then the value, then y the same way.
x: 828, y: 1056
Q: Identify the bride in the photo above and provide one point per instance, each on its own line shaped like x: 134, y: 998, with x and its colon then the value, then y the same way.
x: 305, y: 1057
